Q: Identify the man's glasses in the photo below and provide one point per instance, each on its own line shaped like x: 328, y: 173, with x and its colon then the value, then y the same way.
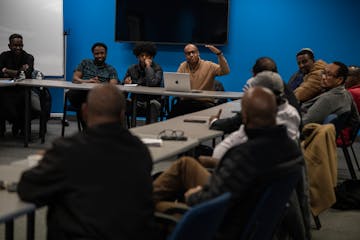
x: 172, y: 134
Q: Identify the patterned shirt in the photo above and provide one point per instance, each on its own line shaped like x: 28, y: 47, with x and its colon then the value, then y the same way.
x: 89, y: 70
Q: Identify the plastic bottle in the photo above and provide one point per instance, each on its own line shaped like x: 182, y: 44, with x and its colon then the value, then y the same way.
x: 22, y: 75
x: 39, y: 76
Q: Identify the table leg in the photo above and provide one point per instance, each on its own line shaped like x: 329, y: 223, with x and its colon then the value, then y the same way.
x: 147, y: 110
x: 9, y: 230
x: 30, y: 226
x: 133, y: 115
x: 27, y: 126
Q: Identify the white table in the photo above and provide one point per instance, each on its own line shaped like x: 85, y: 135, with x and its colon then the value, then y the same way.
x: 28, y: 83
x: 199, y: 131
x: 131, y: 89
x: 11, y: 206
x: 169, y: 149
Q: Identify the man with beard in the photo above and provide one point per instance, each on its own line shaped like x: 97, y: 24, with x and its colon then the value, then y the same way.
x: 202, y: 76
x: 12, y: 99
x: 145, y: 73
x: 92, y: 71
x: 306, y: 82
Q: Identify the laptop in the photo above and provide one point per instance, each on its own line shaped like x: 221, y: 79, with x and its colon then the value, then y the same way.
x: 178, y: 82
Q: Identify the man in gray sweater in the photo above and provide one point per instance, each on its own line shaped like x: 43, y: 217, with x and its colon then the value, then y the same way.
x: 335, y: 100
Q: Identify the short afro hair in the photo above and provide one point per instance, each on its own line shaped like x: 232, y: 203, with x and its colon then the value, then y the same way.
x: 264, y: 64
x: 98, y: 44
x: 145, y: 47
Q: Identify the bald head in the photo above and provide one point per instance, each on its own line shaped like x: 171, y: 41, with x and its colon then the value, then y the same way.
x: 259, y: 108
x: 105, y: 103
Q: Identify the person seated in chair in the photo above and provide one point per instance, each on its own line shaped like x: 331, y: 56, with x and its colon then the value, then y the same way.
x: 240, y: 170
x: 352, y: 84
x: 286, y: 114
x: 306, y: 81
x: 335, y: 99
x: 80, y: 176
x: 92, y: 71
x: 12, y: 99
x: 231, y: 124
x: 145, y: 73
x: 202, y: 76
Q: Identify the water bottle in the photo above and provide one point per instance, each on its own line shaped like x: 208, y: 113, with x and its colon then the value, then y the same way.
x: 22, y: 75
x: 39, y: 76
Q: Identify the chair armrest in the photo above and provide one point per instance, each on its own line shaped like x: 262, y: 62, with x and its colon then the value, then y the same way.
x: 165, y: 218
x: 172, y: 208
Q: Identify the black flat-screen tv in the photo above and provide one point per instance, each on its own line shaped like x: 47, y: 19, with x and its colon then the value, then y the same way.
x: 172, y: 21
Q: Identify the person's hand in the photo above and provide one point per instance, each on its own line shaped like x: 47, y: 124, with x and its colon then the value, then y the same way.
x: 215, y: 117
x: 128, y: 80
x: 192, y: 191
x: 208, y: 161
x: 214, y: 49
x: 94, y: 80
x: 24, y: 67
x: 148, y: 62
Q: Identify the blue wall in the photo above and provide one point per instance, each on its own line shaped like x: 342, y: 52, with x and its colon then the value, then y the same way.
x: 275, y: 28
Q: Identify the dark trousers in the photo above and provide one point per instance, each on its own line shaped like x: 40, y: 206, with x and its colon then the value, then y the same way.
x: 12, y: 105
x: 76, y: 99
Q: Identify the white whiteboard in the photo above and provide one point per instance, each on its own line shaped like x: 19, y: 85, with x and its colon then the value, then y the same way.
x: 40, y: 22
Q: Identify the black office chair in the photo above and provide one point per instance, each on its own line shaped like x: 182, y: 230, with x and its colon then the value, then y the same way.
x: 200, y: 221
x: 144, y: 113
x: 44, y: 113
x: 271, y: 207
x: 344, y: 144
x: 43, y: 95
x: 219, y: 87
x: 70, y: 108
x: 340, y: 123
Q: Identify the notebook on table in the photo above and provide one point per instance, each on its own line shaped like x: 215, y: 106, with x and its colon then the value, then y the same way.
x: 178, y: 82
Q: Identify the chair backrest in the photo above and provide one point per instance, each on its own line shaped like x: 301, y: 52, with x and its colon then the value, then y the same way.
x: 354, y: 132
x: 218, y: 86
x: 271, y: 206
x: 202, y: 220
x: 339, y: 121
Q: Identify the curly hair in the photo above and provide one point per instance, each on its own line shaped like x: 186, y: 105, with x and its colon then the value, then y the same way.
x: 98, y: 44
x: 264, y: 64
x: 145, y: 47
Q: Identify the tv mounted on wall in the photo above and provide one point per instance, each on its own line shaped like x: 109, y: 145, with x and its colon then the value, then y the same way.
x: 172, y: 21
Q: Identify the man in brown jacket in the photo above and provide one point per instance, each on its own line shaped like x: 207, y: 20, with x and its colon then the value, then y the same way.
x: 306, y: 81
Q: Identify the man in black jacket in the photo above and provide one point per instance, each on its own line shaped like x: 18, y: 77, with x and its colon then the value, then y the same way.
x: 145, y: 73
x: 97, y: 183
x: 12, y: 63
x: 241, y: 168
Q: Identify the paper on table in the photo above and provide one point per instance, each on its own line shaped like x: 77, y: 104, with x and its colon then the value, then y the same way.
x: 155, y: 142
x: 130, y: 85
x: 31, y: 161
x: 7, y: 81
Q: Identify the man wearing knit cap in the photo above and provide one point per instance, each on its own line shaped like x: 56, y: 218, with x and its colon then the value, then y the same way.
x: 286, y: 114
x: 306, y: 82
